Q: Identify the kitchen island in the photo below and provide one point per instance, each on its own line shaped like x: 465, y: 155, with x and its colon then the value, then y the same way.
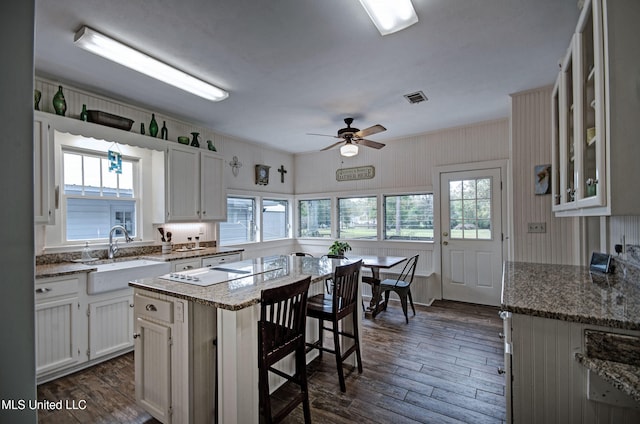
x: 553, y: 314
x: 196, y: 344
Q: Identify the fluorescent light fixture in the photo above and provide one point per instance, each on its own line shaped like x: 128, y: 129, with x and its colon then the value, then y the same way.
x: 349, y: 150
x: 115, y: 51
x: 390, y: 16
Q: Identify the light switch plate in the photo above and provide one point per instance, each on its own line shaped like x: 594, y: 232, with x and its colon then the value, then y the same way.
x: 537, y: 227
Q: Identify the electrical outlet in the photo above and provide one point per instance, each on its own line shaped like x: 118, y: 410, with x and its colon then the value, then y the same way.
x: 537, y: 227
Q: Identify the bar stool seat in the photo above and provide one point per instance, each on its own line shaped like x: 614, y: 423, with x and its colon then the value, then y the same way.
x: 282, y: 331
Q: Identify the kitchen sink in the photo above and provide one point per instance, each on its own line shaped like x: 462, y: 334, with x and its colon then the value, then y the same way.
x: 116, y: 275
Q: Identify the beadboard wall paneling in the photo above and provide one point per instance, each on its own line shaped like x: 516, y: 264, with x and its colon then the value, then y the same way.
x: 531, y: 146
x: 406, y: 162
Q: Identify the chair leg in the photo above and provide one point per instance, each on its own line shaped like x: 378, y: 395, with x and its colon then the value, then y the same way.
x: 403, y: 302
x: 301, y: 369
x: 386, y: 299
x: 321, y: 334
x: 264, y: 399
x: 357, y: 343
x: 411, y: 301
x: 336, y: 342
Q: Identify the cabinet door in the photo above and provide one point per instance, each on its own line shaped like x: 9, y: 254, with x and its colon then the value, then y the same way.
x: 589, y: 107
x: 212, y: 196
x: 153, y: 368
x: 57, y: 334
x: 44, y: 196
x: 110, y: 326
x: 183, y: 184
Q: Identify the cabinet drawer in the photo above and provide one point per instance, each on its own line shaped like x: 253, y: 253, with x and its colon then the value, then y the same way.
x: 50, y: 289
x: 153, y: 308
x: 186, y: 265
x: 220, y: 259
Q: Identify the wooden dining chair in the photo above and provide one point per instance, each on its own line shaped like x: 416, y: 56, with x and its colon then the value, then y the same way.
x: 335, y: 307
x: 401, y: 286
x: 282, y: 331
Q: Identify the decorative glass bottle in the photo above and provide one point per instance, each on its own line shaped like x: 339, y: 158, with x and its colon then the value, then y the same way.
x: 59, y: 103
x: 153, y: 126
x: 194, y: 141
x: 84, y: 115
x: 164, y: 134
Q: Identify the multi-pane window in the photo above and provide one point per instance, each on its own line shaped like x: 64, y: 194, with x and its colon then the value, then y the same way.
x: 408, y: 217
x: 470, y: 208
x: 95, y: 198
x: 357, y: 218
x: 240, y: 226
x: 275, y: 219
x: 314, y: 218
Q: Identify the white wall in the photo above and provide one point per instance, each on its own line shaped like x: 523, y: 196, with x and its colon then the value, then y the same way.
x: 403, y: 165
x: 530, y: 146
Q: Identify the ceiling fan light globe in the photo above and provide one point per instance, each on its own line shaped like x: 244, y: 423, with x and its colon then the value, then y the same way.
x: 349, y: 150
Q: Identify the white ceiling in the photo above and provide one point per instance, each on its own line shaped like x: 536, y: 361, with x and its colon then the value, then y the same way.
x: 294, y: 67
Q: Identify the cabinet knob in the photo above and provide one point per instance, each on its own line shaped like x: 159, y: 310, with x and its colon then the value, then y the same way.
x: 501, y: 370
x: 204, y: 212
x: 43, y: 290
x: 131, y: 305
x: 151, y: 307
x: 136, y: 335
x: 501, y: 336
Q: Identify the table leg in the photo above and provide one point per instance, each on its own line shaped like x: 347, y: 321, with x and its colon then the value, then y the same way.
x: 375, y: 304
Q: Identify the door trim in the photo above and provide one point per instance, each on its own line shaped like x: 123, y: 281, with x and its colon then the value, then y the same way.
x: 503, y: 164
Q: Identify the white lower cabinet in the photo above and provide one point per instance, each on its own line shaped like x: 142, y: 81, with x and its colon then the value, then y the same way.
x: 548, y: 384
x: 175, y: 358
x: 57, y: 320
x: 110, y: 323
x: 153, y: 368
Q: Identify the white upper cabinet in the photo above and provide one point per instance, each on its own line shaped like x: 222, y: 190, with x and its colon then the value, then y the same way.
x: 44, y: 193
x: 194, y: 186
x: 595, y: 110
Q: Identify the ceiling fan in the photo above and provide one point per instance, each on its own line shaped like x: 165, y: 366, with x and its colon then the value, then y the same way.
x: 352, y: 137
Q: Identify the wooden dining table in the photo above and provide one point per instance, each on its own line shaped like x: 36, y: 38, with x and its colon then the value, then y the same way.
x: 375, y: 264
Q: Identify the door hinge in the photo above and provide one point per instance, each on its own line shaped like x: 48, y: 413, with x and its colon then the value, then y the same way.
x: 500, y: 185
x: 88, y: 352
x: 170, y: 411
x: 170, y: 341
x: 88, y: 311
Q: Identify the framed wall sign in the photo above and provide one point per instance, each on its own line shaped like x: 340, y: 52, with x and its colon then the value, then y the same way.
x: 262, y: 174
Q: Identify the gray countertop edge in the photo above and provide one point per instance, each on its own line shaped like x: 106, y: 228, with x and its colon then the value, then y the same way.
x: 581, y: 319
x: 70, y: 268
x: 622, y: 376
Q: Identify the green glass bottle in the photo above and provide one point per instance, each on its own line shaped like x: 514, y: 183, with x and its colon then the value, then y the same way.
x: 153, y: 126
x: 84, y: 115
x: 164, y: 133
x: 59, y: 103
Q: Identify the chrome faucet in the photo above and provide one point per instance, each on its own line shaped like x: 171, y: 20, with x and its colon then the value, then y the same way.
x: 113, y: 246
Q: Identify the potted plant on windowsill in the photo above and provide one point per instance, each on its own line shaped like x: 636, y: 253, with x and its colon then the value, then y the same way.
x: 338, y: 248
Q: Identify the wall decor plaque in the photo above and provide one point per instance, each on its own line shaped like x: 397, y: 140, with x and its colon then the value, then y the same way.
x: 356, y: 173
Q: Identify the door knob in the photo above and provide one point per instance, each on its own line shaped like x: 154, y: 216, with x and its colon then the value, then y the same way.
x: 444, y: 243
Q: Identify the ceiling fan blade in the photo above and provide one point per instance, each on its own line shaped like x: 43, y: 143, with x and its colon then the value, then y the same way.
x: 369, y: 143
x: 324, y: 135
x: 333, y: 145
x: 370, y: 131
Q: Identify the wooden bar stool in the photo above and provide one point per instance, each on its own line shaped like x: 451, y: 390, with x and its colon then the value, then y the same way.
x: 281, y: 331
x: 334, y: 307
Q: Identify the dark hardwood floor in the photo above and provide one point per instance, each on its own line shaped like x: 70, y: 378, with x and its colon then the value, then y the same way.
x: 439, y: 368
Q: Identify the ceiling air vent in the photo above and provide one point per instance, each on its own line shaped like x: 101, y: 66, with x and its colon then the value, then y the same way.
x: 416, y: 97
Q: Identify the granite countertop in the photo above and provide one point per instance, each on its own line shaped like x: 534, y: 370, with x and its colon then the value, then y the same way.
x: 572, y: 293
x: 243, y: 292
x: 44, y: 270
